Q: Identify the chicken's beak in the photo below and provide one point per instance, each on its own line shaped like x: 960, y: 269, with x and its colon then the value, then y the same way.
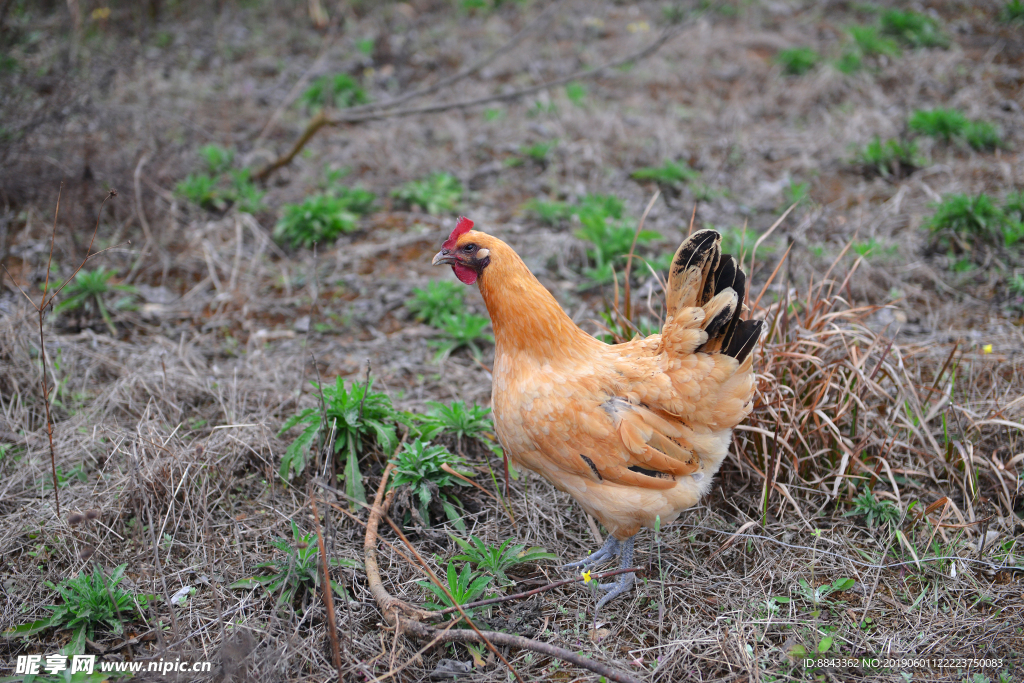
x: 442, y: 258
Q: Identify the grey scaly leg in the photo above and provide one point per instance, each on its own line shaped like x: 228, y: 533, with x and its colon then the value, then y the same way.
x: 624, y: 582
x: 608, y: 550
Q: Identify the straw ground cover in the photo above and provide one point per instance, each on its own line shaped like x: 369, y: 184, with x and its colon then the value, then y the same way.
x: 870, y: 506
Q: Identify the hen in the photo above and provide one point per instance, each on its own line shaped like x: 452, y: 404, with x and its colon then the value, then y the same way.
x: 635, y: 431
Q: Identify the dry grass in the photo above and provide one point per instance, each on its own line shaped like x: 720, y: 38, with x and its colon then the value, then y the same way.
x: 876, y: 373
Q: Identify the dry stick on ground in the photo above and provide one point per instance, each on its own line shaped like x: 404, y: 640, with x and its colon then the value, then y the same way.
x: 322, y: 119
x: 328, y: 595
x: 393, y: 608
x: 45, y: 303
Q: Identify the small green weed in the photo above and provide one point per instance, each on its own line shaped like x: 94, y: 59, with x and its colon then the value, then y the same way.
x: 670, y: 173
x: 877, y: 512
x: 296, y: 570
x: 322, y: 218
x: 951, y: 124
x: 218, y: 159
x: 556, y: 213
x: 496, y: 559
x: 457, y: 419
x: 437, y: 193
x: 797, y: 61
x: 1012, y: 12
x: 611, y: 239
x: 201, y: 190
x: 939, y: 123
x: 820, y: 595
x: 874, y: 248
x: 538, y: 152
x: 740, y: 242
x: 90, y: 601
x: 983, y: 136
x: 849, y: 62
x: 869, y: 42
x: 220, y: 186
x: 437, y: 300
x: 458, y: 330
x: 913, y: 29
x: 576, y: 92
x: 960, y: 219
x: 88, y: 290
x: 358, y: 417
x: 890, y: 159
x: 465, y: 587
x: 796, y: 193
x: 339, y: 90
x: 418, y: 467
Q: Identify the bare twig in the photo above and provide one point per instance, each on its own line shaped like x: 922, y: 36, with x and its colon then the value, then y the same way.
x: 328, y: 594
x: 351, y: 117
x: 393, y: 607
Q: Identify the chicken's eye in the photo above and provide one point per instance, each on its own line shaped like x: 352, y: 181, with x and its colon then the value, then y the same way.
x: 468, y: 248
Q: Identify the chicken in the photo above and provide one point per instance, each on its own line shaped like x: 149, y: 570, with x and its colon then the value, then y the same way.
x: 633, y: 432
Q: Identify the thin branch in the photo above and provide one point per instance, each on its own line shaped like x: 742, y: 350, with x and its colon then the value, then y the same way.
x: 328, y: 594
x: 392, y: 607
x: 351, y: 117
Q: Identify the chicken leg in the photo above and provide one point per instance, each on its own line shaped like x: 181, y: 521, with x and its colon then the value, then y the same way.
x: 611, y: 548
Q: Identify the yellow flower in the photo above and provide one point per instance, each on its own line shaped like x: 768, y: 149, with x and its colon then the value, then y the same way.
x: 586, y: 577
x: 987, y: 348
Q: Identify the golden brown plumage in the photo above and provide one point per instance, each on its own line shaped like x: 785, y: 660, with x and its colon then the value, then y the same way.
x: 634, y: 431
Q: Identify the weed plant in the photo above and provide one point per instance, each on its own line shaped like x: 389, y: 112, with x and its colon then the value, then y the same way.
x: 893, y: 158
x: 220, y: 186
x: 459, y: 330
x: 355, y: 416
x: 913, y: 29
x: 88, y: 290
x: 950, y: 124
x: 797, y: 61
x: 435, y: 194
x: 963, y: 222
x: 90, y: 601
x: 497, y: 559
x: 322, y: 218
x: 439, y: 298
x: 875, y: 512
x: 339, y: 91
x: 671, y: 173
x: 419, y: 469
x: 296, y: 569
x: 465, y: 587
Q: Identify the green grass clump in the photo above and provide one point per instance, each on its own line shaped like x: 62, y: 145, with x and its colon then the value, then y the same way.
x: 419, y: 467
x: 538, y: 152
x: 322, y: 218
x: 669, y: 173
x: 465, y: 587
x: 220, y: 186
x: 458, y: 420
x: 1012, y: 12
x: 890, y: 159
x: 913, y: 29
x: 296, y: 569
x: 941, y: 123
x: 869, y: 42
x: 982, y: 136
x: 961, y: 220
x: 797, y: 61
x: 876, y: 512
x: 89, y: 602
x: 610, y: 239
x: 951, y: 124
x: 497, y: 559
x: 873, y: 247
x: 88, y: 290
x: 359, y: 419
x: 439, y: 298
x: 437, y: 193
x: 339, y: 90
x: 458, y: 330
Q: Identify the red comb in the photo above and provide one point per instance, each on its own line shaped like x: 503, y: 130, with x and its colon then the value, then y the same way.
x: 461, y: 228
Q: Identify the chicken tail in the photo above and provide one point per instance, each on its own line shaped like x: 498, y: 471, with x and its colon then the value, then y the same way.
x: 701, y: 276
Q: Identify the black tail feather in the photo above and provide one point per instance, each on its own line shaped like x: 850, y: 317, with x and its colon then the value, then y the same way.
x: 746, y: 335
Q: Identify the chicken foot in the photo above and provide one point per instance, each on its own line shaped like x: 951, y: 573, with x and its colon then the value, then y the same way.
x: 611, y: 548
